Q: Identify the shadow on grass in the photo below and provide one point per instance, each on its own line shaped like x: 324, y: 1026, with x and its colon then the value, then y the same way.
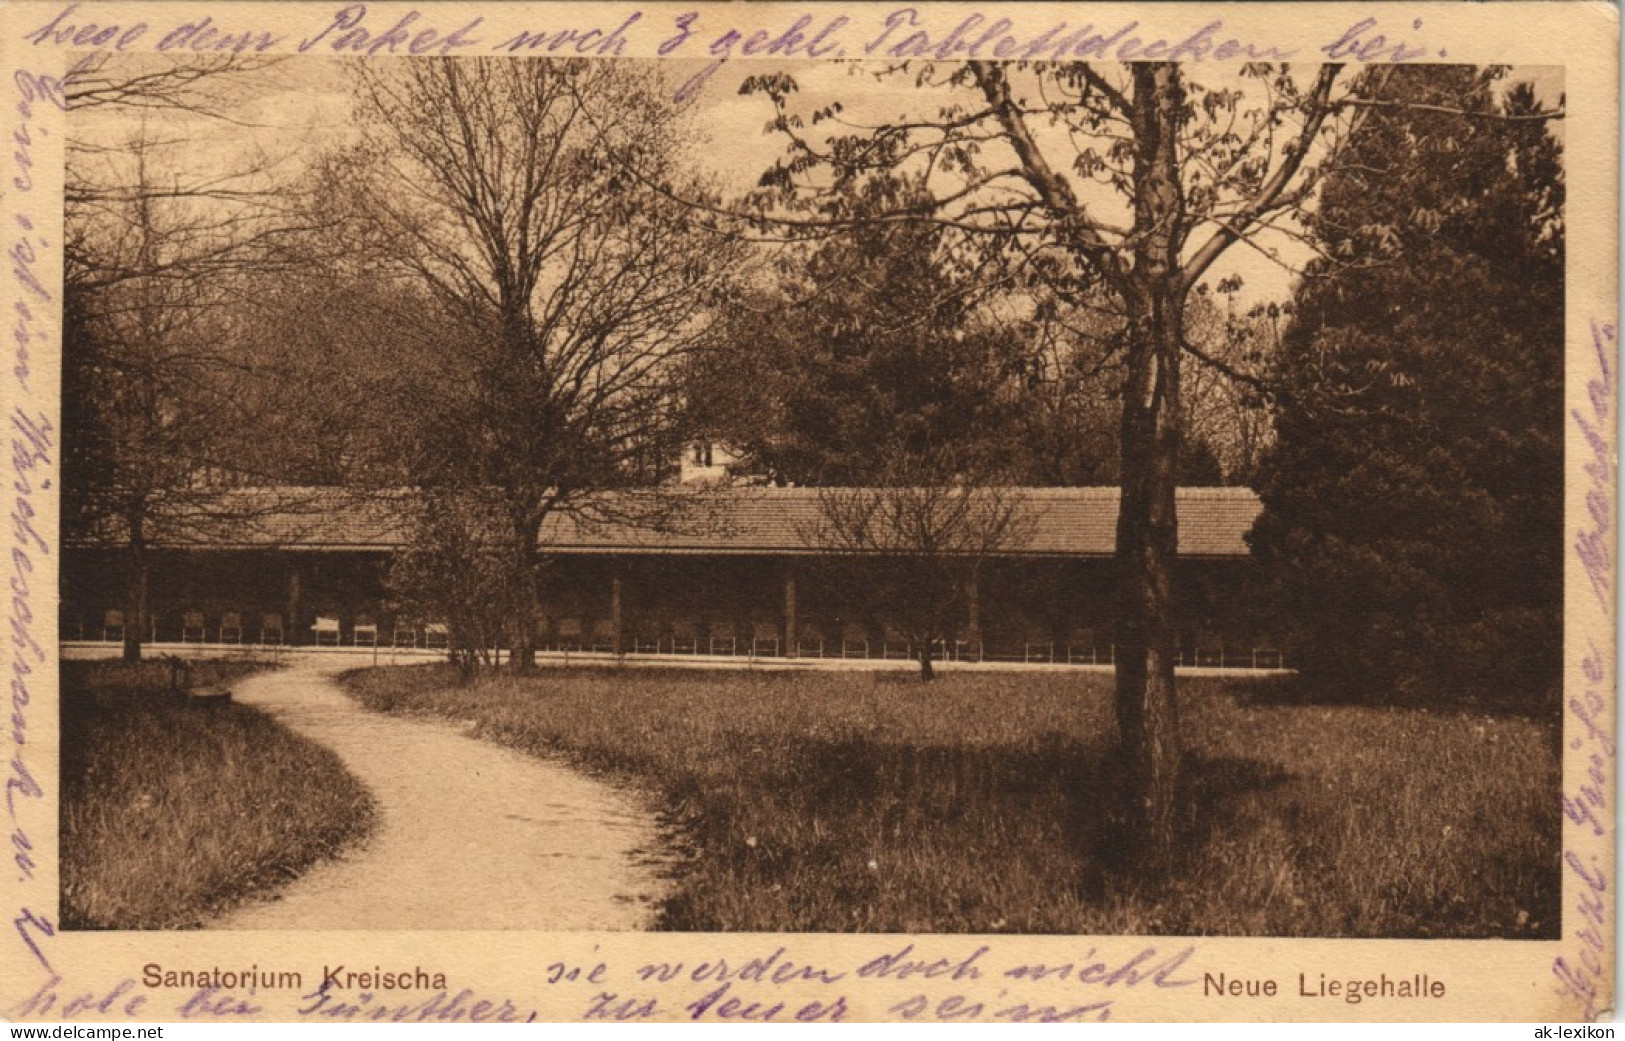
x: 1215, y: 797
x: 1213, y: 786
x: 848, y: 803
x: 1509, y: 701
x: 176, y: 808
x: 870, y: 834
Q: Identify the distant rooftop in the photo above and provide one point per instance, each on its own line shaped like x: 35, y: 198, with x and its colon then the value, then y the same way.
x: 1071, y: 522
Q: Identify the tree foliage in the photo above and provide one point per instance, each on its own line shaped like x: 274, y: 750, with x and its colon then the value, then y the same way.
x: 1131, y: 182
x: 877, y: 344
x: 1413, y: 525
x: 455, y: 572
x: 903, y: 338
x: 1116, y: 187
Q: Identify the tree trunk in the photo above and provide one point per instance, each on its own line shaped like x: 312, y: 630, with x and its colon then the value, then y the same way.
x: 1147, y: 545
x: 295, y: 606
x: 927, y: 671
x: 527, y: 607
x: 973, y: 611
x: 136, y: 608
x: 1147, y: 527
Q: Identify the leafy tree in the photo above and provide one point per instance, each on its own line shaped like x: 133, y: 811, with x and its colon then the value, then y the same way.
x: 876, y: 346
x: 898, y: 338
x: 454, y: 572
x: 1124, y: 183
x: 1130, y: 181
x: 874, y: 369
x: 1413, y: 524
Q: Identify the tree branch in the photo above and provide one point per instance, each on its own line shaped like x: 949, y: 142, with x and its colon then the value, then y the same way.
x: 1269, y: 195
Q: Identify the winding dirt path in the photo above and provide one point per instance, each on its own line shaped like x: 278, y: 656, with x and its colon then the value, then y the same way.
x: 470, y: 835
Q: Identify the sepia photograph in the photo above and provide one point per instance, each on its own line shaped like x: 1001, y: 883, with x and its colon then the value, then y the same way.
x: 882, y: 496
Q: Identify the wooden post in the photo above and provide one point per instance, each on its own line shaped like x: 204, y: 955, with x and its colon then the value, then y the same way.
x: 791, y: 649
x: 615, y: 611
x: 290, y: 634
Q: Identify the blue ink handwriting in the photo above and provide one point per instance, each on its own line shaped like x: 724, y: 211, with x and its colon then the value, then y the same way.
x: 352, y: 38
x: 1593, y: 543
x: 46, y: 1002
x: 1581, y: 970
x: 1359, y: 43
x: 441, y: 1007
x: 586, y: 42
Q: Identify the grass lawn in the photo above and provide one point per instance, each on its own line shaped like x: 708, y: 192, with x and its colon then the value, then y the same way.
x: 867, y: 801
x: 174, y: 811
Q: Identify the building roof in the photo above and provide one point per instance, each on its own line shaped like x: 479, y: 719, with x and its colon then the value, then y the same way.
x: 1063, y: 522
x: 1073, y: 522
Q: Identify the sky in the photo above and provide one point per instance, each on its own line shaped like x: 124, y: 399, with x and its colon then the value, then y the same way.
x: 290, y: 112
x: 739, y: 121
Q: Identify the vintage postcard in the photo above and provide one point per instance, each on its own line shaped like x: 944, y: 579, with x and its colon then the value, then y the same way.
x: 809, y: 512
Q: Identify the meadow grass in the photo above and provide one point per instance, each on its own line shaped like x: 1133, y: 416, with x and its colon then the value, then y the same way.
x: 173, y: 810
x: 981, y: 803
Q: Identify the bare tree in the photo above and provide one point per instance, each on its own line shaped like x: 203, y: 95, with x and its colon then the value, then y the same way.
x: 160, y: 85
x: 154, y: 395
x: 572, y: 292
x: 169, y: 244
x: 1071, y: 379
x: 1228, y: 396
x: 917, y: 549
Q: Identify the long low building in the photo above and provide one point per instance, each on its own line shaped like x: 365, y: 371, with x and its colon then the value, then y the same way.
x: 716, y: 571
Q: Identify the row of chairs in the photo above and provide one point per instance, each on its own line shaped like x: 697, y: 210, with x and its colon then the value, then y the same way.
x: 230, y: 628
x: 682, y: 636
x: 1211, y: 656
x: 562, y: 634
x: 855, y: 641
x: 364, y: 632
x: 194, y: 629
x: 676, y: 637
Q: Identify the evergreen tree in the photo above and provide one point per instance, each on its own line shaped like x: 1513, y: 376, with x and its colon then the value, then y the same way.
x: 869, y: 353
x: 1413, y: 501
